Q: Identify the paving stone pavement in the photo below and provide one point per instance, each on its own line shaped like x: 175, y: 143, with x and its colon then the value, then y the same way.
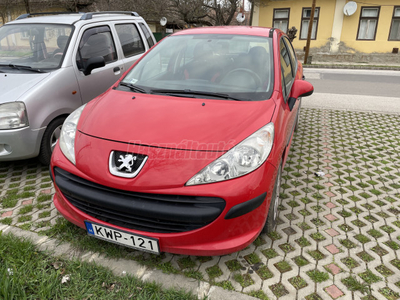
x: 338, y: 233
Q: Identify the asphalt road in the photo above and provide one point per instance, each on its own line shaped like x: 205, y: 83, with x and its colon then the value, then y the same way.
x: 363, y: 90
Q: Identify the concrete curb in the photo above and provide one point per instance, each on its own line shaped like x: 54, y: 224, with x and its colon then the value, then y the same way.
x: 121, y: 267
x: 357, y: 67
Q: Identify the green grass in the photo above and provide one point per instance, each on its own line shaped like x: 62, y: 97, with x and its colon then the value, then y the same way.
x: 259, y: 294
x: 233, y: 265
x: 283, y: 266
x: 214, y: 272
x: 244, y: 280
x: 264, y: 273
x: 26, y: 273
x: 318, y: 276
x: 354, y: 285
x: 186, y: 263
x: 298, y: 282
x: 300, y: 261
x: 26, y: 209
x: 369, y: 277
x: 269, y: 253
x: 252, y: 258
x: 226, y: 285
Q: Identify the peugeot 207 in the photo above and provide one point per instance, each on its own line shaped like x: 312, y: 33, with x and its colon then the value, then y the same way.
x: 184, y: 154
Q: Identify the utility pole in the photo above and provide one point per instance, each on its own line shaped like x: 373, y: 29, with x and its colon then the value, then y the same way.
x: 310, y: 26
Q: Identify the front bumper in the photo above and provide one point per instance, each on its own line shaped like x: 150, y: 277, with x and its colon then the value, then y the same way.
x: 20, y: 143
x: 236, y: 226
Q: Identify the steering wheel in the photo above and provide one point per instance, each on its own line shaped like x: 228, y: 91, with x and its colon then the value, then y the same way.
x: 58, y: 54
x: 254, y: 75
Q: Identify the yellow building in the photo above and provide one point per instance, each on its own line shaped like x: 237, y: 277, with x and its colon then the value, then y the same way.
x: 366, y: 26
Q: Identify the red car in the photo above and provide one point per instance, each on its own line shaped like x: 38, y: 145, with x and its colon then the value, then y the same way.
x: 184, y: 154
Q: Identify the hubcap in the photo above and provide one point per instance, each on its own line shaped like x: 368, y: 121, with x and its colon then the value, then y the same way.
x: 54, y: 137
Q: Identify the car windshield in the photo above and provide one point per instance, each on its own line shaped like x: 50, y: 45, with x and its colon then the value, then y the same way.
x: 33, y: 46
x: 238, y: 67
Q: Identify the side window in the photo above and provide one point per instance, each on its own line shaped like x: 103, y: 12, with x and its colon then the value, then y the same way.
x: 292, y: 55
x: 286, y: 69
x: 147, y: 35
x: 130, y: 39
x: 96, y: 42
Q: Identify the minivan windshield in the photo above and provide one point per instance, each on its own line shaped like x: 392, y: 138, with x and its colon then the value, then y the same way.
x: 33, y: 46
x: 220, y: 66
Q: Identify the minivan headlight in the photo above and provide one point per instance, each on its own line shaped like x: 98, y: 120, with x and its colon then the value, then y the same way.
x: 242, y: 159
x: 13, y: 115
x: 68, y: 132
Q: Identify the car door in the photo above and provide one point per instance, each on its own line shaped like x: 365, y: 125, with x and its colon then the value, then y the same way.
x: 288, y: 71
x: 93, y: 42
x: 132, y: 44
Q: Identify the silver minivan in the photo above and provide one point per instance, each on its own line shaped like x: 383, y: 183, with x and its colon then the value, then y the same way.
x: 50, y: 65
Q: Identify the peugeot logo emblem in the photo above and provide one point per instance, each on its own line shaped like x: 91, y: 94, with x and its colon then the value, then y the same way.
x: 126, y: 165
x: 126, y: 162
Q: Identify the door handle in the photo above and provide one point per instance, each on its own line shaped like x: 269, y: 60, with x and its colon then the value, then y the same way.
x: 116, y: 69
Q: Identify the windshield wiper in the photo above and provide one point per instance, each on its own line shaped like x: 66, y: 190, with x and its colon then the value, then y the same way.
x: 199, y: 93
x: 21, y: 67
x: 133, y: 87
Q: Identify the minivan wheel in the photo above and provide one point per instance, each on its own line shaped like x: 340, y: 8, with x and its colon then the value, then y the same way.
x: 273, y: 207
x: 49, y: 140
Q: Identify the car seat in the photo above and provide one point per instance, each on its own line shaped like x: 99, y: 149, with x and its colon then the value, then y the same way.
x: 61, y: 43
x: 258, y: 62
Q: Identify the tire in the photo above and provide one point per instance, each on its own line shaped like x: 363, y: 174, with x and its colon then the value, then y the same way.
x: 49, y: 140
x: 273, y: 207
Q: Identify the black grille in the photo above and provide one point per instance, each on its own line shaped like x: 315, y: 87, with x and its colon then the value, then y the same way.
x: 140, y: 211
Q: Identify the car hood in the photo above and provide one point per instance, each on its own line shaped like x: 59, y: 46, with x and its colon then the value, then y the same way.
x: 173, y: 122
x: 13, y: 86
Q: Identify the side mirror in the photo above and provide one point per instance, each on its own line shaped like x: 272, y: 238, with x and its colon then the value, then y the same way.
x: 300, y: 88
x: 94, y: 63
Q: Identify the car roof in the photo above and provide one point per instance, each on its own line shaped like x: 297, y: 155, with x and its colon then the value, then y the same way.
x: 235, y: 30
x: 72, y: 18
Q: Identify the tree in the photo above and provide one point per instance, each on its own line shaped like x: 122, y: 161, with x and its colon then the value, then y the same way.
x: 6, y: 9
x: 205, y: 12
x: 190, y: 12
x: 27, y: 6
x: 222, y: 12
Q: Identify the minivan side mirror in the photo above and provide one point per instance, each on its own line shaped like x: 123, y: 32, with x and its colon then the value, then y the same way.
x: 93, y: 63
x: 300, y: 88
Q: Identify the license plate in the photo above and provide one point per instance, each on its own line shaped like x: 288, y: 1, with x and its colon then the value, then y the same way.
x: 124, y: 238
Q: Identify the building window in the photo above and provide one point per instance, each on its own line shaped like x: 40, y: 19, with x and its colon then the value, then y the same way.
x: 368, y: 23
x: 305, y: 21
x: 281, y: 19
x: 395, y: 28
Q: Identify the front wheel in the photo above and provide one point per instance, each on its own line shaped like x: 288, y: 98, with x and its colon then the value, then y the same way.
x: 49, y: 140
x: 273, y: 207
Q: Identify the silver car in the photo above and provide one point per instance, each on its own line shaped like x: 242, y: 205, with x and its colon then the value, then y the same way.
x: 50, y: 65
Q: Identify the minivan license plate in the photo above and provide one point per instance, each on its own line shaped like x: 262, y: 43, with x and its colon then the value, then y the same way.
x: 124, y: 238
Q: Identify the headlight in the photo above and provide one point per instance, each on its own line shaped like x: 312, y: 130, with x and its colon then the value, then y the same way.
x: 240, y: 160
x: 67, y: 136
x: 13, y: 115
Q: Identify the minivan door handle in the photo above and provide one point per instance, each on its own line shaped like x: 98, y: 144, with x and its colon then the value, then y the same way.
x: 116, y: 69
